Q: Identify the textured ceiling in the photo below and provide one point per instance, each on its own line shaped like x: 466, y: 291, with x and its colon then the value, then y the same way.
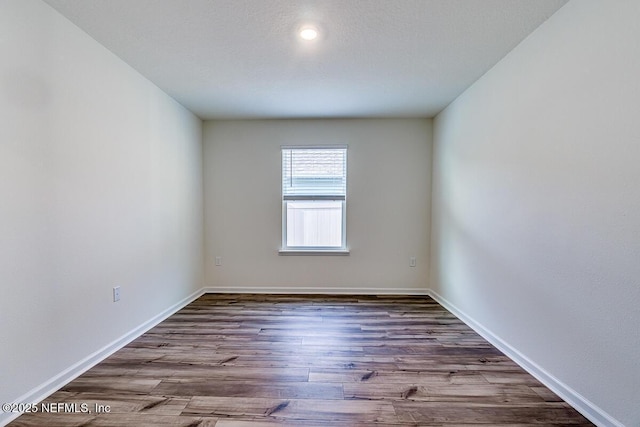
x: 375, y: 58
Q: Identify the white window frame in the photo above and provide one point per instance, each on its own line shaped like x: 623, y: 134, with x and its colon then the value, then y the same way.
x: 313, y: 250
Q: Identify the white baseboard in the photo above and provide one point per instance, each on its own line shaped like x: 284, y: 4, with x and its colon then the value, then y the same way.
x: 315, y: 290
x: 592, y: 412
x: 45, y: 389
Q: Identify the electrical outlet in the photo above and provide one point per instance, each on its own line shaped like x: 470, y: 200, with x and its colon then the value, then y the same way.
x: 412, y: 261
x: 218, y: 261
x: 116, y: 293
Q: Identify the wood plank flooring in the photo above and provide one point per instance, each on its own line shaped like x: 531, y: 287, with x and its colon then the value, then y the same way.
x: 280, y: 360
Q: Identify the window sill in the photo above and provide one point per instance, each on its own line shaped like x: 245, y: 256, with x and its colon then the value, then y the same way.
x: 313, y: 252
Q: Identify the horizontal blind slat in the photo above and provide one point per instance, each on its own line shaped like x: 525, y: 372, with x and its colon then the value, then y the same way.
x: 313, y: 197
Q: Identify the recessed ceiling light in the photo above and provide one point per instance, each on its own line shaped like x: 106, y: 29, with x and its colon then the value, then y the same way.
x: 308, y: 33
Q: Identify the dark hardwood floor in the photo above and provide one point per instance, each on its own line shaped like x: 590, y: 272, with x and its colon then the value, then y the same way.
x: 268, y: 360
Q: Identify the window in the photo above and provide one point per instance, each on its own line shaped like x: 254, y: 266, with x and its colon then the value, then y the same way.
x: 314, y: 194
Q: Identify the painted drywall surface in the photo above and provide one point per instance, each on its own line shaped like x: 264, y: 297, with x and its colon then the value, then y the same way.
x: 536, y: 219
x: 388, y: 204
x: 100, y: 185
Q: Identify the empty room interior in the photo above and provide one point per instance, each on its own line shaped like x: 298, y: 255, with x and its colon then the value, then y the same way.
x: 234, y: 213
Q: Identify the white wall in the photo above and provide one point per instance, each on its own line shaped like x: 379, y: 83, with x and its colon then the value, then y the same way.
x: 536, y: 219
x: 100, y: 185
x: 388, y: 205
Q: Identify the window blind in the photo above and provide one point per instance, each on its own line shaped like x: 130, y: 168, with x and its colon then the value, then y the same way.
x: 314, y: 173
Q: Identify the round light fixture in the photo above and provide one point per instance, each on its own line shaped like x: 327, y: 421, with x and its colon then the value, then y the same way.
x: 308, y: 33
